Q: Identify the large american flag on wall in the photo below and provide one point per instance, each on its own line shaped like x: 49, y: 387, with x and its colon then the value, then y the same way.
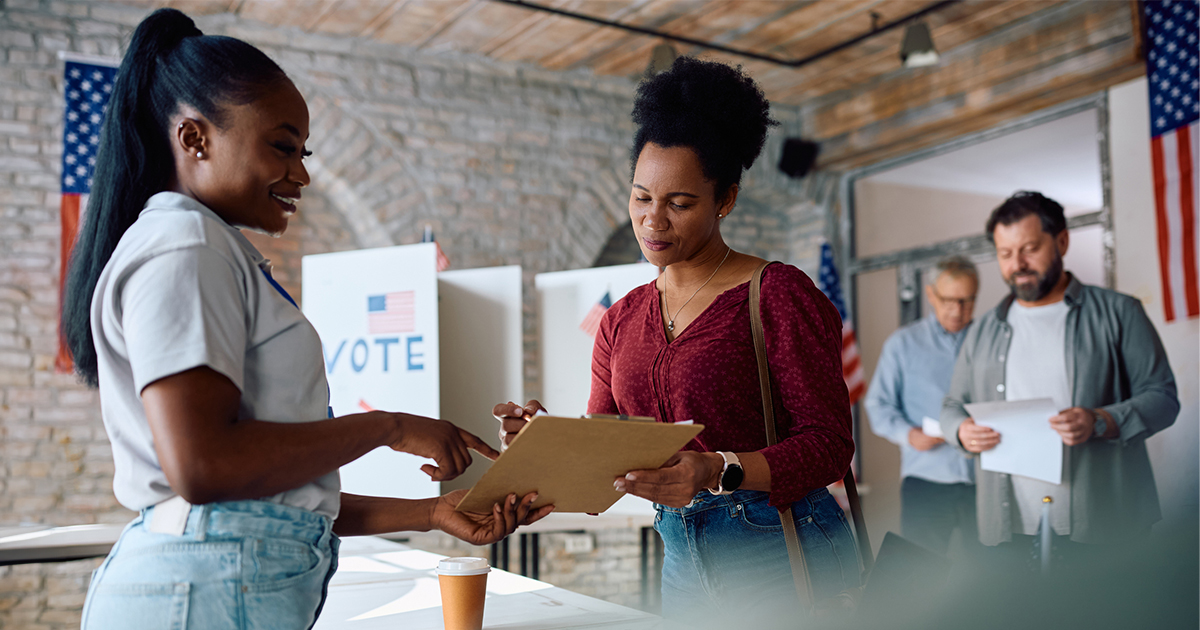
x: 87, y: 86
x: 831, y: 285
x: 1171, y: 43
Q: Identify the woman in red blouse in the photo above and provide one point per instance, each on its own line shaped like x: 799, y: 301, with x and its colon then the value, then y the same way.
x: 680, y: 349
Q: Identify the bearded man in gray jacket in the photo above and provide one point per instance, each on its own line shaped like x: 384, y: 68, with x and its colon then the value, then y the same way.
x: 1095, y: 353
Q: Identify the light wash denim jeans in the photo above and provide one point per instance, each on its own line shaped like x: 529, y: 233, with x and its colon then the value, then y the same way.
x: 727, y: 562
x: 239, y: 565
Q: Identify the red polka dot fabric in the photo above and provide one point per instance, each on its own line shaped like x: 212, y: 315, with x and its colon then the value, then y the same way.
x: 709, y: 374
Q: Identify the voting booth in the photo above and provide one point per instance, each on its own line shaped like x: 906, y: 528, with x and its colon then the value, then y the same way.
x: 481, y: 350
x: 565, y: 300
x: 377, y: 314
x: 399, y: 336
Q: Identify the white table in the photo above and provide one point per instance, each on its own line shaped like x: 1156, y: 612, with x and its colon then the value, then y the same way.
x: 382, y: 584
x: 41, y: 543
x: 629, y: 512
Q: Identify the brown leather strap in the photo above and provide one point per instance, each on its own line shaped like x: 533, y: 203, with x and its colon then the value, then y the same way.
x: 791, y: 538
x: 760, y: 349
x: 795, y: 551
x: 860, y: 524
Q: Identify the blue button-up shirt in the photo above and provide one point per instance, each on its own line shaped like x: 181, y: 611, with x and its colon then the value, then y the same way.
x: 909, y: 383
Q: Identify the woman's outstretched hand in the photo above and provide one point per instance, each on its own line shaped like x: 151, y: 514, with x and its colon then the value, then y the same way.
x: 447, y: 445
x: 485, y: 529
x: 677, y: 481
x: 513, y: 418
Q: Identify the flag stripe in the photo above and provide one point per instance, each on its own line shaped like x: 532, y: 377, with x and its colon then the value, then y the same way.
x: 69, y: 217
x: 1187, y: 215
x: 1164, y: 235
x: 1170, y: 148
x: 852, y: 372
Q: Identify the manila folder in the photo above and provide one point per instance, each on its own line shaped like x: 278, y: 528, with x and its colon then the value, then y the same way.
x: 572, y: 462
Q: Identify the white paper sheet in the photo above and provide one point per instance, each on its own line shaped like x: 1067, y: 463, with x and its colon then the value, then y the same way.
x: 932, y: 427
x: 1028, y: 446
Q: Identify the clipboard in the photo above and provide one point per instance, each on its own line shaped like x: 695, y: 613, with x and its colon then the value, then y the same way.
x: 572, y: 462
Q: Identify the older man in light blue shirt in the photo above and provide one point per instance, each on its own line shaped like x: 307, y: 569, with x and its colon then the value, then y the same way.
x: 937, y: 493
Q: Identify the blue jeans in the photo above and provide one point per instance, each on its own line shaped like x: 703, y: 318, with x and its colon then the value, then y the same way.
x: 727, y: 562
x: 239, y: 565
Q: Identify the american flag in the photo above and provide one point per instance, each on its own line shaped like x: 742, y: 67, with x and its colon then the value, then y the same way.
x: 1171, y: 41
x: 443, y: 262
x: 851, y: 362
x: 87, y: 87
x: 391, y: 313
x: 591, y: 322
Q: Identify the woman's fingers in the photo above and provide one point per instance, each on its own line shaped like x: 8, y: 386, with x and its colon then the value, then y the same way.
x: 524, y: 506
x: 660, y: 486
x: 513, y: 425
x: 474, y: 443
x: 538, y: 514
x: 508, y: 409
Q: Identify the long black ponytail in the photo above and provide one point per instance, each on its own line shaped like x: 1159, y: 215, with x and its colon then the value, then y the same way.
x: 169, y: 63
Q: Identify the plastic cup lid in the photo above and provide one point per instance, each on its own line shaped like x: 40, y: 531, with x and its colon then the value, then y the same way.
x: 463, y: 566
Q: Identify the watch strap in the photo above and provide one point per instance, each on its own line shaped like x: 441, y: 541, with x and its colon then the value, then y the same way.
x: 731, y: 459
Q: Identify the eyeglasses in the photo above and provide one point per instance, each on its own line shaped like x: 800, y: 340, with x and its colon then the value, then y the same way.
x: 961, y: 302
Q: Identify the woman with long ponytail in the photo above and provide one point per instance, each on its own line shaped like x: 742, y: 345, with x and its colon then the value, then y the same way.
x: 212, y: 383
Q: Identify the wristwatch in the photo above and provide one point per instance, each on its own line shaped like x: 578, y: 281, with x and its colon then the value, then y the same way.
x: 1101, y: 425
x: 731, y: 475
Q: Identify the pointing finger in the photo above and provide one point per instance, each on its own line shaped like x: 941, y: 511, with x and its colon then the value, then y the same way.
x: 478, y: 445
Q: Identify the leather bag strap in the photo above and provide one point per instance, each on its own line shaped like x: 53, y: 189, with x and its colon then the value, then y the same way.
x: 795, y: 551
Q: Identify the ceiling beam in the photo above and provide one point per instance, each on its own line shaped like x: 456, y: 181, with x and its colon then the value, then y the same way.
x: 791, y: 63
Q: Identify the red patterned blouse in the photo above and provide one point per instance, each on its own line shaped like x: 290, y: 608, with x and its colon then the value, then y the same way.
x: 709, y: 374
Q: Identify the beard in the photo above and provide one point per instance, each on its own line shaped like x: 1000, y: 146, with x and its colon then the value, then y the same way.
x: 1037, y: 290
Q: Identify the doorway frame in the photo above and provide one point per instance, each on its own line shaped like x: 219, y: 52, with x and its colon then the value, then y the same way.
x: 977, y: 247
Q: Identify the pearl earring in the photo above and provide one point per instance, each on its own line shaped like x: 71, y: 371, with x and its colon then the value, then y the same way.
x: 199, y: 155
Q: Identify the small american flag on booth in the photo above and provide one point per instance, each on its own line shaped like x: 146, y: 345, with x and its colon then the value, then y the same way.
x: 391, y: 313
x: 591, y: 322
x: 87, y: 86
x: 443, y: 261
x: 831, y: 286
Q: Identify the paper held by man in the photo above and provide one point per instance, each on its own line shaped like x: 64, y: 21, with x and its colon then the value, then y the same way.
x: 1028, y: 445
x: 572, y: 462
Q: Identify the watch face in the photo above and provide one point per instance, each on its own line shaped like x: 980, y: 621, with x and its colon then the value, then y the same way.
x: 731, y: 479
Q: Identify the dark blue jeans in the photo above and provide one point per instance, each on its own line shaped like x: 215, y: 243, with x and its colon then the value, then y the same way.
x: 930, y: 512
x: 727, y: 562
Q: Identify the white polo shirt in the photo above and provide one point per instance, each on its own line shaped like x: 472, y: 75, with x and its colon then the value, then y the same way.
x: 185, y: 289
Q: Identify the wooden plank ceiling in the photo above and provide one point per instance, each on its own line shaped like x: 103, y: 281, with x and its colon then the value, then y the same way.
x: 789, y: 29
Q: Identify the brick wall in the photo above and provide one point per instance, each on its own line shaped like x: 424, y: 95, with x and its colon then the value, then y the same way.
x: 509, y: 164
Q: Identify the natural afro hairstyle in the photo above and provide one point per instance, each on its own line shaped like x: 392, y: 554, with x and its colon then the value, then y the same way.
x: 716, y: 110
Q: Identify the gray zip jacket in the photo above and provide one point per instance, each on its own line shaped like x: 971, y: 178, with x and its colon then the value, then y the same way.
x: 1115, y: 361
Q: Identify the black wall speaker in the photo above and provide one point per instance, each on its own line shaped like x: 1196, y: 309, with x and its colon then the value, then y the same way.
x: 798, y: 156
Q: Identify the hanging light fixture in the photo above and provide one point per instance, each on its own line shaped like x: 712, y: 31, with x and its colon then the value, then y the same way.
x: 661, y: 58
x: 917, y: 48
